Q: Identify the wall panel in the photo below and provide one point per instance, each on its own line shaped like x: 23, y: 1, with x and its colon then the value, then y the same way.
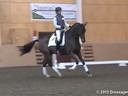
x: 4, y: 0
x: 20, y: 12
x: 105, y: 2
x: 5, y: 32
x: 54, y: 1
x: 20, y: 36
x: 15, y: 15
x: 107, y: 32
x: 5, y: 12
x: 0, y: 35
x: 20, y: 1
x: 105, y: 17
x: 108, y: 20
x: 40, y: 1
x: 105, y: 13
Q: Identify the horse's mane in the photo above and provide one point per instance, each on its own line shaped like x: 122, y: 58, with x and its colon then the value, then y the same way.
x: 73, y: 28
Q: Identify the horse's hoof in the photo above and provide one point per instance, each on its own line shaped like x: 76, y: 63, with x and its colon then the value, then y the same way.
x: 69, y: 70
x: 60, y: 76
x: 89, y: 74
x: 48, y: 76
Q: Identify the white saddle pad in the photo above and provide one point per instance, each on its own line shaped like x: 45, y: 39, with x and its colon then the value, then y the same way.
x: 52, y: 40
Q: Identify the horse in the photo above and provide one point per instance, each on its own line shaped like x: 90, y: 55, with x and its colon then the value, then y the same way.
x: 72, y: 48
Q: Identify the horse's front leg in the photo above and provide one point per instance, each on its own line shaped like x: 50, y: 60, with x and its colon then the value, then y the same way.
x: 73, y: 56
x: 85, y: 66
x: 57, y: 71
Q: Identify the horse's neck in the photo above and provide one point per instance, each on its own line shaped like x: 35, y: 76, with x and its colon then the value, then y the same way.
x: 72, y: 37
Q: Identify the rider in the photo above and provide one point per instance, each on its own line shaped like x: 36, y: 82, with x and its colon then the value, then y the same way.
x: 59, y: 24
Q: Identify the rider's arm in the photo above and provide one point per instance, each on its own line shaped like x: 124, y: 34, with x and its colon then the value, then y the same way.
x: 55, y: 23
x: 66, y: 24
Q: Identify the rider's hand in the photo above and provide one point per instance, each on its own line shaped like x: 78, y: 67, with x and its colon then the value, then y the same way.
x: 62, y: 27
x: 70, y: 26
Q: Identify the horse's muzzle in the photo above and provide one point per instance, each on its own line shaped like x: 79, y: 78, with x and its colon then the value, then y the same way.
x: 83, y: 40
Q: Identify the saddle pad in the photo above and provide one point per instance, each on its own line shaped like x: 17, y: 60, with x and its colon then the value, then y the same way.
x: 52, y: 40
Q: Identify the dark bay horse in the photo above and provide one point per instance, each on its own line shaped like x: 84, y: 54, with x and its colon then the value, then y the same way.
x: 72, y: 48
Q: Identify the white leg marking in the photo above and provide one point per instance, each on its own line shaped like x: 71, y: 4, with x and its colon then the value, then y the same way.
x: 57, y: 71
x: 86, y: 68
x: 54, y: 60
x: 87, y: 71
x: 73, y: 67
x: 45, y: 72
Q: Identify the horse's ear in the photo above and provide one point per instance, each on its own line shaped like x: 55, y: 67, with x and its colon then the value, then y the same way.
x: 85, y: 23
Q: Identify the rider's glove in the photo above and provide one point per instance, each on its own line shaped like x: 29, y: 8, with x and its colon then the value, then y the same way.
x: 70, y: 26
x: 62, y: 27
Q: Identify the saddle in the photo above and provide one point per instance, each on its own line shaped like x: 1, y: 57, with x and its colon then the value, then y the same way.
x: 52, y: 41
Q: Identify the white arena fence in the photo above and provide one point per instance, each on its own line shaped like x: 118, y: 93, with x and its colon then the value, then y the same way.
x: 118, y: 62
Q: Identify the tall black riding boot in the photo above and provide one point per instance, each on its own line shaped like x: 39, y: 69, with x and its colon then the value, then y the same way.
x: 57, y: 47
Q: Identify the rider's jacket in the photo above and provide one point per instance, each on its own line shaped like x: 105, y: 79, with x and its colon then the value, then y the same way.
x: 59, y: 22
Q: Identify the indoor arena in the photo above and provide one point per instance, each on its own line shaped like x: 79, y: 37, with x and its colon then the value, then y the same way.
x: 63, y: 47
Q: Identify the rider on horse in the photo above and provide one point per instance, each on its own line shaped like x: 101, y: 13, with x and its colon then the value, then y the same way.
x: 59, y: 24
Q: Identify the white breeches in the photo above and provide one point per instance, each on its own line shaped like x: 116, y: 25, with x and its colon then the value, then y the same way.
x: 58, y: 32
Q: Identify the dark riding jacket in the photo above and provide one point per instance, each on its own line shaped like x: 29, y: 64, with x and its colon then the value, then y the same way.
x: 59, y: 22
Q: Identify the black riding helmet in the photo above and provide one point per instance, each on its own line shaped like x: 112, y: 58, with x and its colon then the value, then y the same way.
x: 58, y: 9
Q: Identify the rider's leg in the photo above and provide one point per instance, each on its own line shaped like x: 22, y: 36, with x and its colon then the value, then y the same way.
x: 61, y: 36
x: 58, y: 33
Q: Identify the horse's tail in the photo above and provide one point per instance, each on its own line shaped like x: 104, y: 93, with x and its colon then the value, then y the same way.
x: 27, y: 47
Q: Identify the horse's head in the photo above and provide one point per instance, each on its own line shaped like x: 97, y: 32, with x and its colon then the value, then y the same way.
x: 82, y: 31
x: 78, y: 30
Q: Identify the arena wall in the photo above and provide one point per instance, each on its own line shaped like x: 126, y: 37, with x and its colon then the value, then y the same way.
x: 106, y: 29
x: 10, y: 57
x: 107, y: 20
x: 16, y: 28
x: 16, y: 24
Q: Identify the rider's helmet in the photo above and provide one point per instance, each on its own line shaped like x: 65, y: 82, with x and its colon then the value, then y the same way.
x: 58, y: 9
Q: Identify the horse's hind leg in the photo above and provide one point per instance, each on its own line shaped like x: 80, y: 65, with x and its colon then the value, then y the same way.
x: 44, y: 69
x: 54, y: 60
x: 48, y: 60
x: 52, y: 65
